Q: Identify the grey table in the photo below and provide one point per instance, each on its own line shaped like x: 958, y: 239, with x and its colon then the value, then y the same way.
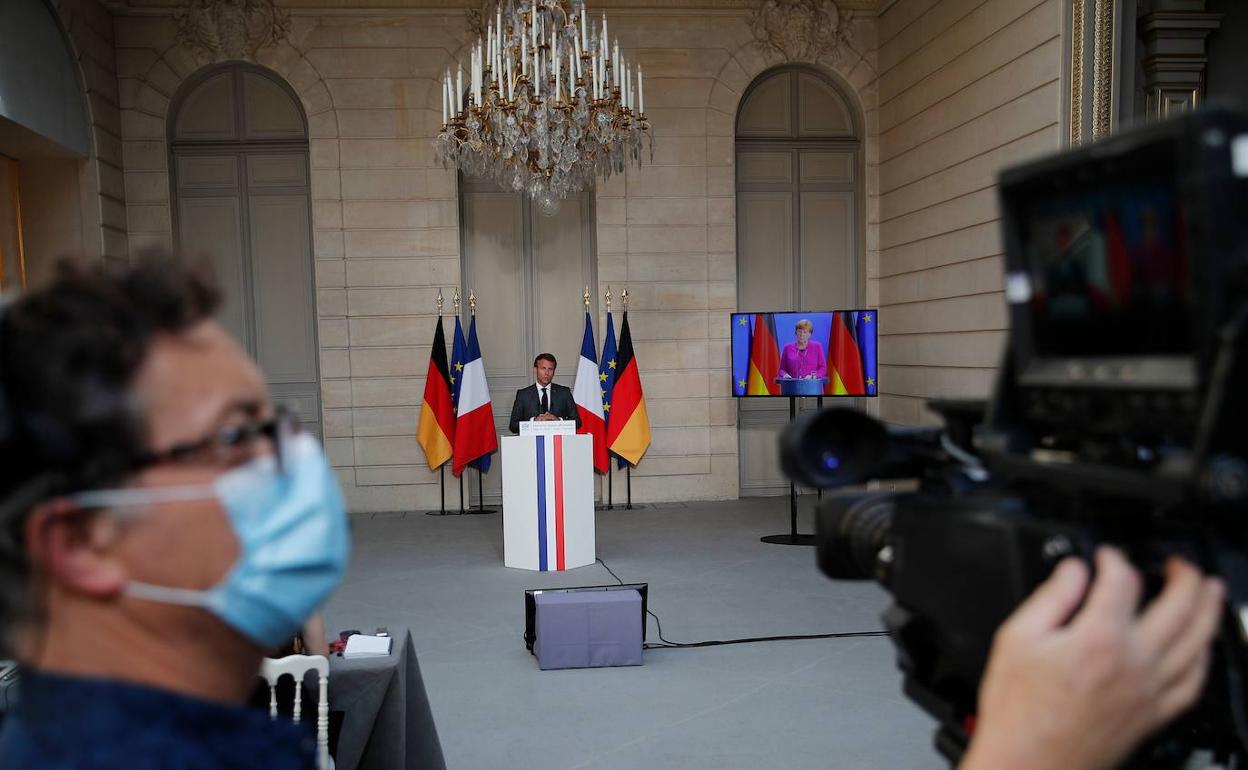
x: 387, y: 723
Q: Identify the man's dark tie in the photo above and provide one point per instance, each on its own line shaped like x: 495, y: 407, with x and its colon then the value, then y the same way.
x: 545, y: 402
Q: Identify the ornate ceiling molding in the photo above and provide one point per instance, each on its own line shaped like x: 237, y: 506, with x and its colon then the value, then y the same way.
x: 480, y: 16
x: 160, y: 7
x: 231, y: 29
x: 802, y: 30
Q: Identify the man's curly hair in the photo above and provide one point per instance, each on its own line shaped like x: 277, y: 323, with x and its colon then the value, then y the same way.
x: 69, y: 353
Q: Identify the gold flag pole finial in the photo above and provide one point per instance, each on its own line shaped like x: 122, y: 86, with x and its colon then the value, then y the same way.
x: 456, y: 300
x: 472, y: 302
x: 624, y: 296
x: 440, y: 301
x: 585, y: 297
x: 608, y: 298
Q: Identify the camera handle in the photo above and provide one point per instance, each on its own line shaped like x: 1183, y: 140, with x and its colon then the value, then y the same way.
x: 792, y: 537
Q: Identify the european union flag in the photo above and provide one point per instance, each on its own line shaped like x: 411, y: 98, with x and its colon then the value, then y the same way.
x: 740, y: 352
x: 459, y: 348
x: 607, y: 372
x: 865, y: 327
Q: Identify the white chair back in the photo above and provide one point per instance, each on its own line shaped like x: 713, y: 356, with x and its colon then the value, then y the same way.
x: 273, y: 669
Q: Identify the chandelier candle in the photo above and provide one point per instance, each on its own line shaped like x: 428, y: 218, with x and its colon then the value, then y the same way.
x: 532, y: 127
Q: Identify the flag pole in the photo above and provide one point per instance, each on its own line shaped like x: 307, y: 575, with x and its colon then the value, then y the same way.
x: 461, y: 476
x: 481, y: 496
x: 481, y: 509
x: 628, y: 472
x: 442, y: 489
x: 606, y: 414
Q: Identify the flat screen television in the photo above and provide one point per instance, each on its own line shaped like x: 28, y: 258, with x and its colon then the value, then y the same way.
x: 1108, y: 262
x: 824, y: 353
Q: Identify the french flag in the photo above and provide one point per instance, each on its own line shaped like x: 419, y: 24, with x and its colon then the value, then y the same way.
x: 587, y: 392
x: 475, y: 434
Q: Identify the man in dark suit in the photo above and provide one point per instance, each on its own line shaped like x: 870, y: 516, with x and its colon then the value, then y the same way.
x: 543, y: 400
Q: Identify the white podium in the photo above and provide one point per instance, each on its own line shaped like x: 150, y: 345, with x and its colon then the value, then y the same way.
x: 548, y: 501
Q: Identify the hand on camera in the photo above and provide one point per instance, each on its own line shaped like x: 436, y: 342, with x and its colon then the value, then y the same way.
x: 1079, y: 690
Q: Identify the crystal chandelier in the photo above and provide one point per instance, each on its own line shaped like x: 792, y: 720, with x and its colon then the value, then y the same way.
x: 549, y: 104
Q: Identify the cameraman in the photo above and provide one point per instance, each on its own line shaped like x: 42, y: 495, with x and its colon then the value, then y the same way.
x: 161, y: 525
x: 1077, y: 688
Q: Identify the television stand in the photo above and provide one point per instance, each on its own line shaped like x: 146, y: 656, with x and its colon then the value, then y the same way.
x: 793, y: 537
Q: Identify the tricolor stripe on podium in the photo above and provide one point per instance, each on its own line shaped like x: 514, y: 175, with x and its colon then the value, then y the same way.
x: 550, y: 503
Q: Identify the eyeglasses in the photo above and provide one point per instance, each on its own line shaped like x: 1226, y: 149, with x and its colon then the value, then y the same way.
x: 224, y: 446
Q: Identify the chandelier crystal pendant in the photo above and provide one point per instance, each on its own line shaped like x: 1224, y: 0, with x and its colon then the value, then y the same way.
x: 549, y: 104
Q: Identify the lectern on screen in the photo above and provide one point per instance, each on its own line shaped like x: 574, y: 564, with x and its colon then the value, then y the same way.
x: 821, y: 353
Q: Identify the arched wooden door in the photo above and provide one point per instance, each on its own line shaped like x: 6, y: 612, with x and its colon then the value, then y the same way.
x: 241, y: 196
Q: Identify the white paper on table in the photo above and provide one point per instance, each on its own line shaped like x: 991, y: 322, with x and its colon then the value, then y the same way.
x: 365, y: 646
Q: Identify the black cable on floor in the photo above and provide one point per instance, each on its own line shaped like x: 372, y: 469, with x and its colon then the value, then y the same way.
x: 668, y: 644
x: 608, y: 569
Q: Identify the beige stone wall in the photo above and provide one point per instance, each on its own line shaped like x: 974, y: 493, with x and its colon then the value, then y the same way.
x: 386, y: 220
x: 966, y: 87
x: 101, y: 191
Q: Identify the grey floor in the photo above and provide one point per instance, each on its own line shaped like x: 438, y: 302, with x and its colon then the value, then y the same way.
x: 796, y: 704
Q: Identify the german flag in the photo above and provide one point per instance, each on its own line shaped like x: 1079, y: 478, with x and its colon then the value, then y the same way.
x: 845, y: 377
x: 436, y: 430
x: 764, y: 358
x: 1119, y: 260
x: 628, y: 431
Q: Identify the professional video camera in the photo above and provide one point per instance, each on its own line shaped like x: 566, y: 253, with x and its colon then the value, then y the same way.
x: 1120, y: 415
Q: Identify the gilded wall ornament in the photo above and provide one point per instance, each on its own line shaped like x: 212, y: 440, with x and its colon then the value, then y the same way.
x: 479, y: 17
x: 1078, y: 27
x: 231, y: 29
x: 801, y: 30
x: 1103, y: 77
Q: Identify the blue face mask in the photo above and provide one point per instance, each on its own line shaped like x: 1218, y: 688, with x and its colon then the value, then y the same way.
x: 291, y: 527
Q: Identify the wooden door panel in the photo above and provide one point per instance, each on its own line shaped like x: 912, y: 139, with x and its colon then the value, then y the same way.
x: 212, y: 227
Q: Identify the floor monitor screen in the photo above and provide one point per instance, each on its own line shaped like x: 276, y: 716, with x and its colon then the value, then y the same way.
x: 827, y: 353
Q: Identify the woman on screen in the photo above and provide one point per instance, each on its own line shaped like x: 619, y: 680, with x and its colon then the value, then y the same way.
x: 803, y: 358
